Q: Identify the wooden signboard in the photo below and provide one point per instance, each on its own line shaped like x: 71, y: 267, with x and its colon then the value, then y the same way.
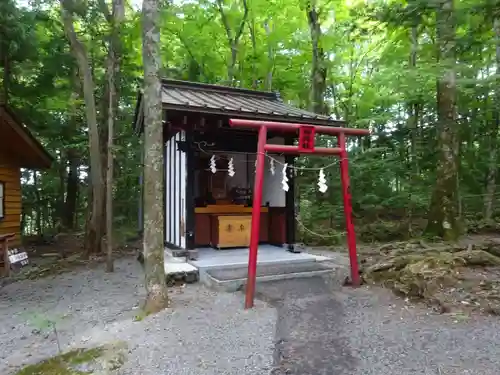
x: 17, y: 259
x: 306, y: 138
x: 13, y: 259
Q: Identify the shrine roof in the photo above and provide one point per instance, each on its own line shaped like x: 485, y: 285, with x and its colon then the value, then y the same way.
x: 191, y: 97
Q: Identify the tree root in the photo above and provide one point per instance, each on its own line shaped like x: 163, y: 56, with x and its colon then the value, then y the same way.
x: 437, y: 274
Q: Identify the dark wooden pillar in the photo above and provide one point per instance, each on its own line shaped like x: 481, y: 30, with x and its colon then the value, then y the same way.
x: 190, y: 198
x: 290, y: 202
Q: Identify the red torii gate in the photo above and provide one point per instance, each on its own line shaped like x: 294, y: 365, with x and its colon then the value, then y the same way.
x: 306, y: 146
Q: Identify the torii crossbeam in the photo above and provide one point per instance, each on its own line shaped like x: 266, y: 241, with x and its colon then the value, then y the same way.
x: 306, y: 146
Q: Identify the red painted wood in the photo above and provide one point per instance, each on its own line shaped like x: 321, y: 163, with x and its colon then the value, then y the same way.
x: 306, y: 138
x: 346, y: 196
x: 254, y: 237
x: 262, y: 147
x: 288, y: 127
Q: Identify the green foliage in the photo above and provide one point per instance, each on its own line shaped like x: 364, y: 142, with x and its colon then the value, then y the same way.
x: 370, y: 83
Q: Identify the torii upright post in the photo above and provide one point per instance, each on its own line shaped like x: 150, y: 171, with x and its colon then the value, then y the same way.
x: 306, y: 146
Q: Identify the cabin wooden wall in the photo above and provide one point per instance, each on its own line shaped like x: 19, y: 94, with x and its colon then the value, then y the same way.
x: 11, y: 222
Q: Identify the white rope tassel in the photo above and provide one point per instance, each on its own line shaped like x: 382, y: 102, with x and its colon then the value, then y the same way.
x: 322, y: 181
x: 271, y: 166
x: 284, y: 181
x: 230, y: 168
x: 213, y: 168
x: 255, y: 165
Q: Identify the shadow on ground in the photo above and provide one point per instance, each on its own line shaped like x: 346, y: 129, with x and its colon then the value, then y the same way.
x: 308, y: 338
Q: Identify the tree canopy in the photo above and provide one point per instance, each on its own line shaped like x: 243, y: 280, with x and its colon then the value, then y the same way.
x: 422, y: 76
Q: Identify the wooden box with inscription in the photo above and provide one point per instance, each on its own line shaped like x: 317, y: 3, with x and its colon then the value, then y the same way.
x: 230, y: 231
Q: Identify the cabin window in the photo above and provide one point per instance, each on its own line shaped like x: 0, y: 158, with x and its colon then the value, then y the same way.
x: 2, y: 200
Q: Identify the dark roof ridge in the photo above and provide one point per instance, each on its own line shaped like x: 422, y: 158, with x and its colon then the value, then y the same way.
x: 166, y: 82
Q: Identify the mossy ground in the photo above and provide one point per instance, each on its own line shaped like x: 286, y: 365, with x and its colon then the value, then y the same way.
x: 107, y: 358
x: 446, y: 276
x: 63, y: 364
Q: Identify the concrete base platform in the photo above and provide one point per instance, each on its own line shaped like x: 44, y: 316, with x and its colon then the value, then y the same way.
x: 267, y: 254
x: 227, y: 269
x: 233, y: 279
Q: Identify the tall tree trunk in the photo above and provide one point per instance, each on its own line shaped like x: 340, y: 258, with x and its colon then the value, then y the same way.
x: 109, y: 171
x: 233, y: 39
x: 270, y: 56
x: 414, y: 104
x: 251, y: 27
x: 413, y: 118
x: 72, y: 156
x: 443, y: 219
x: 157, y: 295
x: 493, y: 131
x: 4, y: 93
x: 71, y: 190
x: 38, y: 206
x: 114, y: 18
x: 62, y: 191
x: 318, y: 70
x: 95, y: 224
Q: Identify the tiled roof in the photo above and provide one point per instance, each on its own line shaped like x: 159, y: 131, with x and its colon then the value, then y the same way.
x: 184, y: 96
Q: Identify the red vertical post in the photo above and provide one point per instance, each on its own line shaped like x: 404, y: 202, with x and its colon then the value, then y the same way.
x: 346, y: 195
x: 255, y: 230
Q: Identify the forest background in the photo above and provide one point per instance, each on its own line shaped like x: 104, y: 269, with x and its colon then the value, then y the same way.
x: 423, y: 76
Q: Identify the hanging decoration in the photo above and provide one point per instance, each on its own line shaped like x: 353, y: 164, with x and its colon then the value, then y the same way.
x: 230, y: 168
x: 255, y: 165
x: 322, y: 181
x: 213, y: 168
x: 284, y: 181
x: 271, y: 166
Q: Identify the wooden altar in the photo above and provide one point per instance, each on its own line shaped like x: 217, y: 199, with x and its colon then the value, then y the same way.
x: 223, y: 214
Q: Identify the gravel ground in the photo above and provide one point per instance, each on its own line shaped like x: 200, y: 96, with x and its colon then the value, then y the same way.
x: 325, y: 329
x: 204, y: 332
x: 306, y: 326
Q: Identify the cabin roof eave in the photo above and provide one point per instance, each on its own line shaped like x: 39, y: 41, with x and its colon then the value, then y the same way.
x: 42, y: 160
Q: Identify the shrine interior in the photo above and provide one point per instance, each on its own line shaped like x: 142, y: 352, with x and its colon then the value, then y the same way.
x: 223, y: 200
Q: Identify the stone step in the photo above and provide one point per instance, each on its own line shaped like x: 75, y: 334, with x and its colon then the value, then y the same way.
x: 234, y: 278
x: 180, y: 273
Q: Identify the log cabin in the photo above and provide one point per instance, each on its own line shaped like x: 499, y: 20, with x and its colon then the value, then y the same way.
x: 18, y: 149
x: 204, y: 204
